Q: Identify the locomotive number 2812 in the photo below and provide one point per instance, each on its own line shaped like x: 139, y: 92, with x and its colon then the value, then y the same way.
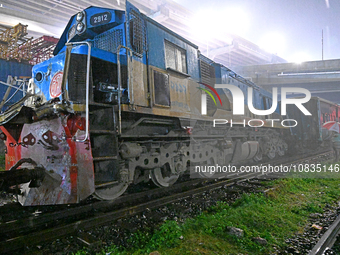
x: 100, y: 18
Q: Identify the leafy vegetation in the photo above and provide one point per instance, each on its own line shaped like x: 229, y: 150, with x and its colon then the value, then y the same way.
x: 275, y: 217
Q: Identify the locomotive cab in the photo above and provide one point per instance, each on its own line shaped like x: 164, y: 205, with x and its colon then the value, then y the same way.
x: 86, y: 52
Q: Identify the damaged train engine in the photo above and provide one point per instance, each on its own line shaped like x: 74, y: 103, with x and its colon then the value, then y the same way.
x: 119, y: 104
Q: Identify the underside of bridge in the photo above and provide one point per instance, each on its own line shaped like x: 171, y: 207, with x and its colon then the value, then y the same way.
x: 49, y: 17
x: 321, y: 78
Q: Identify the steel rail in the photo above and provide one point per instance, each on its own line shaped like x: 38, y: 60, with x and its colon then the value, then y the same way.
x: 104, y: 218
x: 32, y: 222
x: 98, y: 213
x: 328, y: 239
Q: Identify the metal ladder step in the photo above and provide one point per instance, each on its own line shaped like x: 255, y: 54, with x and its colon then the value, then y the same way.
x: 102, y: 132
x: 105, y: 158
x: 94, y: 105
x: 106, y: 184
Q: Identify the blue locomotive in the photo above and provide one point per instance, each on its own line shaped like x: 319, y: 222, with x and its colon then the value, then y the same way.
x: 121, y: 103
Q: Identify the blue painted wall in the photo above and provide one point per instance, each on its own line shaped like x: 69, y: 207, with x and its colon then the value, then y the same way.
x: 156, y: 35
x: 12, y: 68
x: 224, y: 76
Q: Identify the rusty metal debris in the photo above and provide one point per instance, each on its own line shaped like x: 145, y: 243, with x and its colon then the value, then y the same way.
x: 16, y: 45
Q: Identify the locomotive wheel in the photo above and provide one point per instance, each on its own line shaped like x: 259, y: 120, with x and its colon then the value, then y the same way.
x: 281, y: 148
x: 270, y: 149
x: 111, y: 192
x: 280, y: 151
x: 271, y: 154
x: 258, y: 156
x: 162, y: 176
x: 210, y: 162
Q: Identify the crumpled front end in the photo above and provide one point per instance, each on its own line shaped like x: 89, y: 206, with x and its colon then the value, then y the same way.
x: 44, y: 162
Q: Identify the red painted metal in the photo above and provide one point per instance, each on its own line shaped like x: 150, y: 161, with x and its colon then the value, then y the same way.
x: 69, y: 175
x: 42, y: 49
x: 73, y: 170
x: 13, y: 151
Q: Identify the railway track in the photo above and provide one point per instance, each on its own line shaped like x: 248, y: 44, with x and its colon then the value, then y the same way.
x: 35, y: 230
x: 328, y: 239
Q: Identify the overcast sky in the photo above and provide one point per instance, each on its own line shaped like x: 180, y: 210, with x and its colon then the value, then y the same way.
x: 290, y: 28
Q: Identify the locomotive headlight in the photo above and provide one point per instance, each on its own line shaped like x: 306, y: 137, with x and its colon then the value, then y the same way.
x: 80, y: 16
x: 80, y: 27
x: 39, y: 76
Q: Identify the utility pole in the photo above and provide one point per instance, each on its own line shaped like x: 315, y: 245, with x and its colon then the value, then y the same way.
x: 322, y: 43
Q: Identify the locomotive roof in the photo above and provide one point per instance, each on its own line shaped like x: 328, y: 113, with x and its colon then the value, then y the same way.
x: 169, y: 31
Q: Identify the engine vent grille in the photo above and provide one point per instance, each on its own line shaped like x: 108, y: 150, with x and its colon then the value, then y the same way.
x: 208, y: 77
x: 207, y: 73
x: 109, y: 40
x: 77, y: 78
x: 137, y: 31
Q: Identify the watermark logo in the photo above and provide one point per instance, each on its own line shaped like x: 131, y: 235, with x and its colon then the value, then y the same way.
x: 238, y: 100
x: 204, y: 98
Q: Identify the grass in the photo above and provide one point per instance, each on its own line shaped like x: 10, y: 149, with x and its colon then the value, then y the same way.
x: 277, y: 216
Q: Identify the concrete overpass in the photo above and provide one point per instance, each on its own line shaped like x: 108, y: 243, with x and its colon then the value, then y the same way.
x: 49, y: 17
x: 321, y: 78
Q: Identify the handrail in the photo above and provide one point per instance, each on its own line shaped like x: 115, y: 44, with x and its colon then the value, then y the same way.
x: 87, y: 88
x: 130, y: 87
x: 22, y: 85
x: 64, y: 93
x: 12, y: 86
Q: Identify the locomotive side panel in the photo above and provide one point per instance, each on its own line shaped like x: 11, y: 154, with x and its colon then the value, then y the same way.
x: 118, y: 105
